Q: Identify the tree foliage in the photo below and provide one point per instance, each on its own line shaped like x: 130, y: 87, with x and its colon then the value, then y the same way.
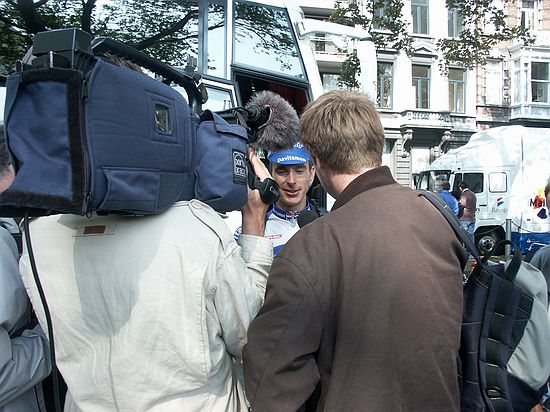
x: 389, y: 30
x: 473, y: 44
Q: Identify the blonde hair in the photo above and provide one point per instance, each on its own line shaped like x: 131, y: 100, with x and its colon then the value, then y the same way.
x: 342, y: 128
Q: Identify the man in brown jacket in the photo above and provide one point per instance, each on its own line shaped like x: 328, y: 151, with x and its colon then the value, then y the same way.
x: 363, y: 306
x: 467, y: 205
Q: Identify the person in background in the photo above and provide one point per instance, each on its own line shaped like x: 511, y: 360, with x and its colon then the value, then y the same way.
x: 294, y: 173
x: 467, y: 209
x: 448, y: 197
x: 150, y: 313
x: 24, y: 356
x: 363, y: 306
x: 541, y: 259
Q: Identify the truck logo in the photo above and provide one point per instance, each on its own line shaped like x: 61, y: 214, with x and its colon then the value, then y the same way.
x: 499, y: 201
x: 539, y: 202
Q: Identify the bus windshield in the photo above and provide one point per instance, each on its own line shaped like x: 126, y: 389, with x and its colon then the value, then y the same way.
x: 264, y: 40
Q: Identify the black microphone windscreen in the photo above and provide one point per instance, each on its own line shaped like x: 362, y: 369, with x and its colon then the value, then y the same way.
x: 282, y: 129
x: 306, y: 217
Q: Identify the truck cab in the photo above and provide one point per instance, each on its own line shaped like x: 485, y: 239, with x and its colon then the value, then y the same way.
x: 507, y: 168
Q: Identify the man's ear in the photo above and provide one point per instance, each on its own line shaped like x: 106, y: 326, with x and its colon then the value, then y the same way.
x: 312, y: 170
x: 319, y: 165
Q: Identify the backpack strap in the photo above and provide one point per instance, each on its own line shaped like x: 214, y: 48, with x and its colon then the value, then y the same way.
x: 453, y: 221
x: 493, y: 373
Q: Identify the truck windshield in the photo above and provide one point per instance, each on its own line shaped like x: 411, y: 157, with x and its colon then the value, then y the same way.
x: 431, y: 179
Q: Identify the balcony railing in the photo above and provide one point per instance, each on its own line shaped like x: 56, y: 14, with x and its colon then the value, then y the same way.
x: 535, y: 111
x: 425, y: 117
x: 433, y: 119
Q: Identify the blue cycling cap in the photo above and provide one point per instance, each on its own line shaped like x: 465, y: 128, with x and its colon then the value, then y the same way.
x: 297, y: 155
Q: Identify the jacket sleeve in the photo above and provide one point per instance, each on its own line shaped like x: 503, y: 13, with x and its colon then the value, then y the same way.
x: 279, y: 360
x: 23, y: 359
x: 25, y: 363
x: 541, y: 260
x: 455, y: 207
x: 462, y: 202
x: 242, y: 276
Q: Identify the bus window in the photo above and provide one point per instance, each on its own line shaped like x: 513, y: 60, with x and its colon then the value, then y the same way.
x: 215, y: 57
x: 264, y: 39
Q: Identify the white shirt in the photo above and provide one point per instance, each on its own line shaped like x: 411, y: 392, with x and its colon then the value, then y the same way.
x: 148, y: 312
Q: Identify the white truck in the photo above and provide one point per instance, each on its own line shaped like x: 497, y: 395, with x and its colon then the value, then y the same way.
x: 507, y: 168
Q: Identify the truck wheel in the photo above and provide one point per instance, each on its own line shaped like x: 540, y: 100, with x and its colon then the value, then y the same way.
x: 486, y: 243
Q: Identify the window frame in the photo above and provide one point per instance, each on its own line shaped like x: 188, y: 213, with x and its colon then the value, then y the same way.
x: 466, y: 176
x: 421, y: 80
x: 493, y: 190
x: 455, y: 84
x: 454, y: 23
x: 420, y: 9
x: 528, y: 16
x: 381, y: 81
x: 542, y: 82
x: 493, y: 74
x: 378, y: 13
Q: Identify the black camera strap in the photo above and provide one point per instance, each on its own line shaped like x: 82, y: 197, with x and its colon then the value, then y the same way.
x: 269, y: 189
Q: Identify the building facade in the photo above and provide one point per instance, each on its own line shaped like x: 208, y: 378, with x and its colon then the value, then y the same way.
x: 514, y: 85
x: 426, y: 112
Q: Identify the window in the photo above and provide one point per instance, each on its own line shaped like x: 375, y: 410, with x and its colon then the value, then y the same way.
x: 377, y: 17
x: 529, y: 14
x: 330, y: 81
x: 497, y: 182
x: 215, y: 64
x: 474, y: 180
x: 263, y: 39
x: 539, y: 82
x: 456, y: 90
x: 432, y: 180
x: 493, y: 82
x: 386, y: 155
x: 454, y: 23
x: 385, y: 85
x: 421, y: 85
x: 319, y: 42
x: 419, y: 10
x: 519, y: 91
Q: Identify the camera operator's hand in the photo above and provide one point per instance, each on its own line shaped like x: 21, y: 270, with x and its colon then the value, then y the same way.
x: 254, y: 210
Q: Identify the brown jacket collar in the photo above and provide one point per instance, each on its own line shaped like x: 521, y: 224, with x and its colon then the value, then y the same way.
x: 379, y: 176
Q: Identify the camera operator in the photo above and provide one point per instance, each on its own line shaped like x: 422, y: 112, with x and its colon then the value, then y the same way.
x: 24, y: 360
x: 151, y: 313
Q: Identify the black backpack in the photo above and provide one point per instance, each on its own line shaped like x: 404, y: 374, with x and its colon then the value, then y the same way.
x: 504, y: 356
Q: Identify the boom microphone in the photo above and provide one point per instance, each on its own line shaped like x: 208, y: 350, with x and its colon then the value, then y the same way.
x: 276, y: 121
